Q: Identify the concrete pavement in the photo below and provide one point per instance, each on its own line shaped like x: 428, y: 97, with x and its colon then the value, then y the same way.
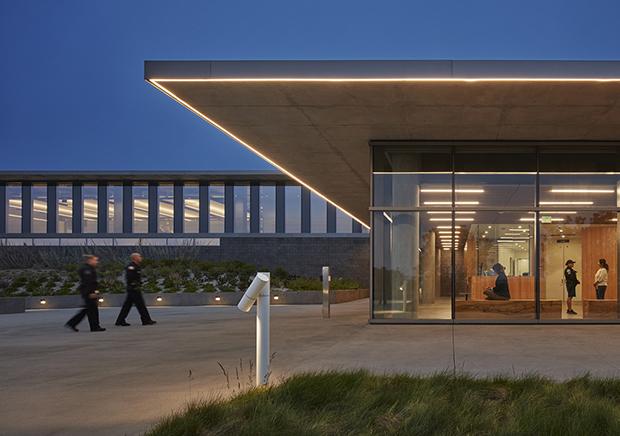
x: 56, y: 382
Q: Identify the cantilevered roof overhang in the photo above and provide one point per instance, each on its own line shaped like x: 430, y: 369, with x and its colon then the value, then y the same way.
x: 314, y: 119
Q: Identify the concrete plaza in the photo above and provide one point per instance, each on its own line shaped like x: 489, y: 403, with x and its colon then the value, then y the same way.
x: 56, y: 382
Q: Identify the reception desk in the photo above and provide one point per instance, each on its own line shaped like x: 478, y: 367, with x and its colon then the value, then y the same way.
x: 521, y: 287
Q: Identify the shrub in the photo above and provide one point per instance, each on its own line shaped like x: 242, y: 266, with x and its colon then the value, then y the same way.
x: 304, y: 284
x: 342, y: 283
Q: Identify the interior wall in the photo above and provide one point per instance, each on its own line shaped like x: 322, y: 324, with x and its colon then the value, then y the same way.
x: 598, y: 242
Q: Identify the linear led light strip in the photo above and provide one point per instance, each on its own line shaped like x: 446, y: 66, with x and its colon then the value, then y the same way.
x: 386, y: 79
x: 170, y: 94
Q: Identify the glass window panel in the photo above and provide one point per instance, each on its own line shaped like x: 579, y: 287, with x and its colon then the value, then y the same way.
x: 412, y: 190
x: 578, y: 190
x: 579, y: 158
x: 39, y: 209
x: 344, y: 223
x: 216, y: 209
x: 416, y: 157
x: 191, y: 208
x: 242, y: 208
x: 292, y: 209
x: 494, y: 190
x: 115, y: 208
x: 267, y: 209
x: 412, y: 269
x: 140, y: 204
x: 64, y: 208
x: 494, y: 253
x: 90, y: 208
x: 14, y: 208
x: 585, y: 238
x: 165, y: 206
x: 496, y: 158
x: 318, y: 214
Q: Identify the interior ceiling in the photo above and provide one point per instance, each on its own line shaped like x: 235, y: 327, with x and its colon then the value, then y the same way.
x: 319, y: 130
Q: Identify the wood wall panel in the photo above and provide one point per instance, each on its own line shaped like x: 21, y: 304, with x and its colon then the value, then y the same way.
x: 521, y: 288
x: 598, y: 242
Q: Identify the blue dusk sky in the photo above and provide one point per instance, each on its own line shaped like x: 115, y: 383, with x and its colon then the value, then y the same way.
x: 73, y: 95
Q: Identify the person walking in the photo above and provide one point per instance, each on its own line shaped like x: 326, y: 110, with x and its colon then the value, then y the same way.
x: 570, y: 279
x: 133, y: 277
x: 89, y: 290
x: 600, y: 279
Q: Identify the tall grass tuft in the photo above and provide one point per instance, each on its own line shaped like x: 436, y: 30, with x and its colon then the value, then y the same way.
x: 352, y: 403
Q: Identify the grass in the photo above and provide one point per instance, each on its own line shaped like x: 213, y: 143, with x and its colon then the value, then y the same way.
x: 357, y: 403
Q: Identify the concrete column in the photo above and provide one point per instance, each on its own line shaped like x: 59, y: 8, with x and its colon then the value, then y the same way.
x: 229, y: 208
x: 102, y: 208
x: 178, y: 208
x: 127, y: 207
x: 203, y: 223
x: 52, y: 207
x: 77, y: 208
x: 331, y: 218
x: 3, y: 208
x: 254, y: 208
x: 280, y: 208
x: 305, y: 210
x: 153, y: 207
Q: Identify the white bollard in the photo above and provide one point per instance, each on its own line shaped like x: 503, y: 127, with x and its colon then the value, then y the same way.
x: 259, y: 291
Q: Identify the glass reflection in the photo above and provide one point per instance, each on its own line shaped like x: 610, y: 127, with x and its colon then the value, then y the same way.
x: 115, y: 208
x: 318, y: 214
x: 191, y: 208
x: 14, y: 208
x: 292, y: 209
x: 140, y: 202
x: 242, y: 209
x: 344, y: 223
x: 267, y: 209
x: 39, y: 209
x: 412, y: 267
x: 165, y: 208
x: 216, y: 208
x: 64, y: 208
x: 89, y: 208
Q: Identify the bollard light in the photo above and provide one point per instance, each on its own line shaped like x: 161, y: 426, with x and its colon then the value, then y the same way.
x: 258, y: 292
x: 42, y: 301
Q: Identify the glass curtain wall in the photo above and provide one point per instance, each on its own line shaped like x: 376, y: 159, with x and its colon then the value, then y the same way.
x: 140, y: 202
x: 292, y: 209
x: 459, y: 232
x: 216, y: 208
x: 242, y: 209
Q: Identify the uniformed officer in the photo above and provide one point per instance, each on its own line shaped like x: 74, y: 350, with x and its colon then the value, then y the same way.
x: 89, y: 290
x: 570, y: 278
x: 133, y: 278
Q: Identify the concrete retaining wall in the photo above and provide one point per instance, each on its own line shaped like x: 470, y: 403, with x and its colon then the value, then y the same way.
x: 12, y: 305
x: 197, y: 299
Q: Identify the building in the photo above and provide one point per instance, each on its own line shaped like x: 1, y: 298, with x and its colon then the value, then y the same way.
x: 263, y: 218
x: 457, y: 166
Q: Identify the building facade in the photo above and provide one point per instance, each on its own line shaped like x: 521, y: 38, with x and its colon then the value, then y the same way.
x: 472, y: 174
x: 263, y: 218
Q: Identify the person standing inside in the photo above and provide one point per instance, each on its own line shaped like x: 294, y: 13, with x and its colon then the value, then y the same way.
x: 133, y: 277
x: 89, y: 290
x: 570, y: 278
x: 600, y: 279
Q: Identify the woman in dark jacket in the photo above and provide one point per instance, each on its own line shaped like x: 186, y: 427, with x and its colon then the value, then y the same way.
x: 500, y: 291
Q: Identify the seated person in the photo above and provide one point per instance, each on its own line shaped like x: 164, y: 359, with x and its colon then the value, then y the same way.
x: 500, y: 291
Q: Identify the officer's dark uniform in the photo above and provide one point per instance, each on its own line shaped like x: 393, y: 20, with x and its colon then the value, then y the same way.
x: 570, y: 278
x: 88, y: 285
x: 133, y: 276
